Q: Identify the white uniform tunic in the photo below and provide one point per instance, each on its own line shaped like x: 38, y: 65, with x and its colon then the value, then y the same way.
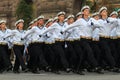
x: 4, y: 36
x: 113, y: 34
x: 96, y: 29
x: 118, y: 28
x: 58, y: 30
x: 17, y: 37
x: 84, y: 29
x: 72, y: 34
x: 49, y: 37
x: 34, y: 32
x: 106, y: 26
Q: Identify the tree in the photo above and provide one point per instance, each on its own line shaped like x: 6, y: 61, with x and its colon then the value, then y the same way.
x: 24, y: 11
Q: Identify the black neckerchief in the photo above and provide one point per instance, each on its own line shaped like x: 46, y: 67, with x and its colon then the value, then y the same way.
x: 61, y: 24
x: 105, y: 20
x: 4, y: 30
x: 40, y: 27
x: 21, y: 31
x: 86, y: 19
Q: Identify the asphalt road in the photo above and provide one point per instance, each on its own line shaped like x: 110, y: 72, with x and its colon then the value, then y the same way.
x: 62, y: 76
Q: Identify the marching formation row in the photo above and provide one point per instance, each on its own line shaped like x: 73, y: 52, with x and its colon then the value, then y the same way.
x: 87, y: 42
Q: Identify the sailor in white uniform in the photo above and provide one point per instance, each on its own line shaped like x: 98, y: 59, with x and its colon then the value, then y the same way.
x: 105, y: 29
x: 59, y: 42
x: 79, y: 15
x: 95, y: 37
x: 36, y: 57
x: 28, y: 41
x: 74, y: 51
x: 18, y: 46
x: 49, y: 41
x: 114, y: 42
x: 4, y: 53
x: 85, y: 34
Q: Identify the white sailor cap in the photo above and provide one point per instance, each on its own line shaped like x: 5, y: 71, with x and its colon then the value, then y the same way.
x: 2, y: 21
x: 56, y: 18
x: 40, y: 17
x: 95, y: 14
x: 61, y: 13
x: 85, y: 7
x: 49, y: 20
x: 101, y: 9
x: 65, y: 20
x: 118, y: 10
x: 70, y: 16
x: 114, y: 13
x: 31, y: 22
x: 17, y: 22
x: 79, y: 13
x: 35, y: 20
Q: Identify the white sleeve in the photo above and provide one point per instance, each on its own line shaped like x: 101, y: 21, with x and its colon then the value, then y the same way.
x: 75, y: 24
x: 112, y: 20
x: 9, y: 34
x: 47, y: 30
x: 28, y: 33
x: 95, y: 23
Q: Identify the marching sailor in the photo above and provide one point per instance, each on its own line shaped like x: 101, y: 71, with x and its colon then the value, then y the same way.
x: 105, y: 29
x: 36, y: 56
x: 4, y: 52
x: 18, y: 46
x: 74, y: 51
x: 59, y: 43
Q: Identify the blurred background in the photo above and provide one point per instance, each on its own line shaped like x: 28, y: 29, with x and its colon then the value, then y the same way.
x: 12, y: 10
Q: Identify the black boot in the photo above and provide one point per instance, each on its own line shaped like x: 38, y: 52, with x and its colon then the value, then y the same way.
x: 117, y: 70
x: 36, y: 72
x: 16, y: 71
x: 99, y: 71
x: 9, y: 68
x: 79, y: 72
x: 68, y: 70
x: 56, y: 72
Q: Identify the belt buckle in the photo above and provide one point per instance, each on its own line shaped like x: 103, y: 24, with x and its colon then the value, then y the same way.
x: 2, y: 43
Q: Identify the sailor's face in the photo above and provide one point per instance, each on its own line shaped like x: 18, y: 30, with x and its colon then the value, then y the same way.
x: 86, y: 12
x: 96, y: 17
x: 41, y: 21
x: 35, y: 23
x: 2, y: 25
x: 114, y: 16
x: 20, y: 25
x: 49, y: 24
x: 104, y: 13
x: 80, y: 16
x: 71, y: 20
x: 61, y: 17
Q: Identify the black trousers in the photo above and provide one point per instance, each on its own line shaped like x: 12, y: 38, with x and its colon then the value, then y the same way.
x: 71, y: 54
x: 106, y: 52
x: 113, y: 48
x: 79, y: 54
x: 29, y: 53
x: 97, y: 52
x: 5, y: 59
x: 59, y: 55
x: 88, y: 53
x: 37, y: 59
x: 117, y: 56
x: 49, y: 54
x: 1, y: 63
x: 19, y: 60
